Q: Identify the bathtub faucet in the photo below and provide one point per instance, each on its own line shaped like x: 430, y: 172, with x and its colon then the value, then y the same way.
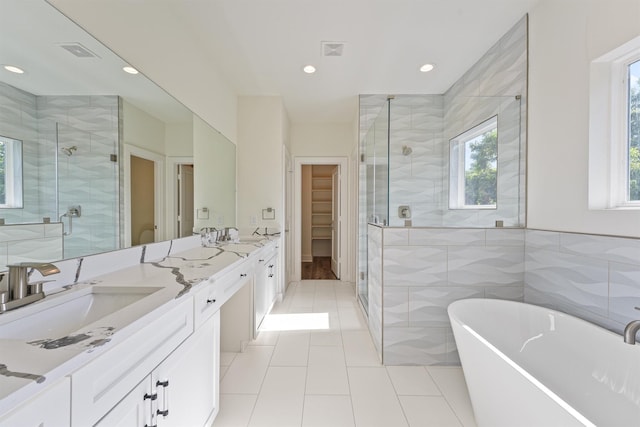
x: 631, y: 329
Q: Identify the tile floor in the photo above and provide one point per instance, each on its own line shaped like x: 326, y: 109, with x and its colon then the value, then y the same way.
x: 327, y: 374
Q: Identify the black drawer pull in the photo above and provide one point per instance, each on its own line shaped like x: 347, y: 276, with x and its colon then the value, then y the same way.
x: 164, y: 383
x: 153, y: 396
x: 163, y: 413
x: 211, y: 301
x: 243, y: 274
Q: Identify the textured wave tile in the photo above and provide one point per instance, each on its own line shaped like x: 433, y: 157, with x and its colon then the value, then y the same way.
x: 396, y: 236
x: 446, y: 237
x: 428, y: 306
x: 624, y: 292
x: 505, y: 237
x: 415, y: 266
x: 569, y: 279
x: 415, y: 346
x: 549, y: 240
x: 396, y: 306
x: 471, y: 266
x: 615, y: 249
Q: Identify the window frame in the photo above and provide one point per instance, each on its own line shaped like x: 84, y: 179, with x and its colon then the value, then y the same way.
x: 457, y: 170
x: 13, y: 179
x: 625, y: 144
x: 608, y: 128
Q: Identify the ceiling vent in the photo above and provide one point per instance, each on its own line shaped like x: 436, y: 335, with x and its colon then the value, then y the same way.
x: 332, y: 48
x: 78, y: 50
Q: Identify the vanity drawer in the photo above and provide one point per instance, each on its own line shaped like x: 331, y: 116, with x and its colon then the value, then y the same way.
x: 206, y: 302
x: 101, y: 384
x: 229, y: 283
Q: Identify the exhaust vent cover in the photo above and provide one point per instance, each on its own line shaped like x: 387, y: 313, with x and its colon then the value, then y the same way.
x: 78, y: 50
x: 332, y: 48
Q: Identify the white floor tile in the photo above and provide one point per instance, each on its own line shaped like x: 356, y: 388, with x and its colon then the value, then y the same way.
x: 333, y: 377
x: 374, y: 400
x: 226, y: 358
x: 328, y: 338
x: 327, y: 380
x: 327, y: 411
x: 351, y: 319
x: 359, y: 349
x: 428, y: 411
x: 247, y: 371
x: 326, y: 356
x: 266, y: 338
x: 450, y: 381
x: 281, y: 399
x: 235, y: 410
x: 292, y: 349
x: 412, y: 381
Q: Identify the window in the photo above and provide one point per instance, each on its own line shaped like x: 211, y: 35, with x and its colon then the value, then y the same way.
x: 614, y: 129
x: 10, y: 173
x: 473, y: 167
x: 633, y: 133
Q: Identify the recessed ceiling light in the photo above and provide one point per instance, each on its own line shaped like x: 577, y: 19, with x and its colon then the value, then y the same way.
x: 14, y: 69
x: 426, y: 68
x: 309, y: 69
x: 129, y: 69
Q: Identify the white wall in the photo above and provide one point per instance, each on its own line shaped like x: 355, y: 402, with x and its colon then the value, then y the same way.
x: 565, y: 36
x: 142, y: 130
x: 212, y: 175
x: 261, y: 136
x: 149, y: 45
x: 322, y: 139
x: 179, y: 139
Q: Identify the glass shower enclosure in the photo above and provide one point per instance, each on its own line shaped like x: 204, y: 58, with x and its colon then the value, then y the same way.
x: 431, y: 162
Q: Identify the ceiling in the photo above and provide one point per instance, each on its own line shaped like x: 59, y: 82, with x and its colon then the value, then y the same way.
x: 260, y: 46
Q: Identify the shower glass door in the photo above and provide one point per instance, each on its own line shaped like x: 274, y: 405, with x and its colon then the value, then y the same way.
x: 374, y: 183
x: 88, y: 188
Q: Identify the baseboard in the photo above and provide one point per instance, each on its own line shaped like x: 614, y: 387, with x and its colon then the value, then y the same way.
x: 307, y: 258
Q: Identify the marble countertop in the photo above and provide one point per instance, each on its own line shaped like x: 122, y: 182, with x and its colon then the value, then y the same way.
x: 29, y: 364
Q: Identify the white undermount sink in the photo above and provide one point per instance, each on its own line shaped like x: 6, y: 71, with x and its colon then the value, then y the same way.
x: 63, y: 315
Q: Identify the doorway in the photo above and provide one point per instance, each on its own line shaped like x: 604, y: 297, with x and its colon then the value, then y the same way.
x: 143, y: 196
x: 185, y: 200
x: 319, y: 217
x: 320, y: 205
x: 142, y: 201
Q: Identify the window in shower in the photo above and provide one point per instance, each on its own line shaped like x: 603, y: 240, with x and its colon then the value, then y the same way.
x: 10, y: 173
x: 473, y: 167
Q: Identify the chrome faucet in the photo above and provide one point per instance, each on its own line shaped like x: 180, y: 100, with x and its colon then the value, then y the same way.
x: 631, y: 330
x: 18, y: 290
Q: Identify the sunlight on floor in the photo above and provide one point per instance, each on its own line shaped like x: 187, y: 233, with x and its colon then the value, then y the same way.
x: 295, y: 322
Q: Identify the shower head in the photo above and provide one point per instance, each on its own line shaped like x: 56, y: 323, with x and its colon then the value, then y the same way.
x: 69, y: 150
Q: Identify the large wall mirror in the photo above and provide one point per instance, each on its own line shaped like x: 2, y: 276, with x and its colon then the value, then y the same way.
x: 92, y: 157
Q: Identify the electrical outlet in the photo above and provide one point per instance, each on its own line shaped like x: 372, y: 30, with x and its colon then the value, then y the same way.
x: 220, y: 220
x: 253, y: 220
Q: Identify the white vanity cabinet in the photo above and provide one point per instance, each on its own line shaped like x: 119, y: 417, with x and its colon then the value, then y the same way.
x: 51, y: 408
x: 181, y: 391
x: 265, y: 285
x: 98, y: 386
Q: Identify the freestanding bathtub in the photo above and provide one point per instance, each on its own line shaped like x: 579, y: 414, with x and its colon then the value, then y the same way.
x: 531, y: 366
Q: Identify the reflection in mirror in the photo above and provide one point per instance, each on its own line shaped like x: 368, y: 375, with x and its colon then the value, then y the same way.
x: 10, y: 173
x: 67, y: 122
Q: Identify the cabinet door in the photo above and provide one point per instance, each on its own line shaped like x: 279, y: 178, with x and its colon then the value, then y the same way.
x: 132, y: 411
x: 51, y: 408
x: 187, y: 381
x: 260, y: 293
